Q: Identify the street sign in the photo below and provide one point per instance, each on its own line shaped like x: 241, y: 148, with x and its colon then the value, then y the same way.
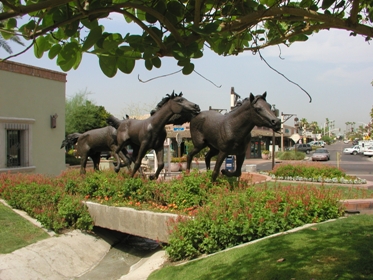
x: 179, y: 128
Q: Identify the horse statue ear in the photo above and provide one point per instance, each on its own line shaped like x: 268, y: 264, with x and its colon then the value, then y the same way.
x: 252, y: 97
x: 264, y: 95
x: 180, y: 94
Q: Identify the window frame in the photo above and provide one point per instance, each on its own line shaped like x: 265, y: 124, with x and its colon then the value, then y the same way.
x: 25, y: 126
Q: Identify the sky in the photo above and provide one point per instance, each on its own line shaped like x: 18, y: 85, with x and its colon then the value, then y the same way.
x: 335, y: 69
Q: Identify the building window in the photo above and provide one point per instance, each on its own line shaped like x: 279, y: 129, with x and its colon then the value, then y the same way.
x: 16, y: 146
x: 13, y: 153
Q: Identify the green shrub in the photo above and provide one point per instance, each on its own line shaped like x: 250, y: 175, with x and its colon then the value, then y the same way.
x: 290, y: 155
x: 307, y: 170
x: 71, y: 159
x: 232, y: 218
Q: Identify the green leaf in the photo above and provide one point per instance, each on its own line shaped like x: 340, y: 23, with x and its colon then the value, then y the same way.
x: 160, y: 7
x: 90, y: 24
x: 112, y: 41
x: 188, y: 69
x: 78, y: 59
x: 108, y: 65
x: 126, y: 65
x: 327, y: 3
x: 272, y: 2
x: 150, y: 18
x: 27, y: 28
x: 140, y: 15
x: 11, y: 23
x: 183, y: 62
x: 175, y: 8
x: 41, y: 45
x: 54, y: 50
x: 148, y: 64
x: 197, y: 54
x: 300, y: 37
x: 68, y: 56
x: 93, y: 36
x: 6, y: 35
x: 157, y: 62
x: 70, y: 29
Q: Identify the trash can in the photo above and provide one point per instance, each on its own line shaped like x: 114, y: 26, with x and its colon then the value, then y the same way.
x: 229, y: 163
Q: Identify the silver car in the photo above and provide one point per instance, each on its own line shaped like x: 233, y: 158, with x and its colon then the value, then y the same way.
x: 320, y: 154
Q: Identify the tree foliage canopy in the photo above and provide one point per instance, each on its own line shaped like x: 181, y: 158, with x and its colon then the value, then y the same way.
x: 181, y: 29
x: 83, y: 115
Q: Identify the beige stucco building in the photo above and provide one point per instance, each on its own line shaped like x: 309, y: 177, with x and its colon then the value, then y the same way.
x: 32, y: 119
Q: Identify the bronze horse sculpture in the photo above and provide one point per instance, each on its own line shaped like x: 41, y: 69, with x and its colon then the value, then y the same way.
x: 92, y: 142
x: 229, y: 134
x: 150, y: 133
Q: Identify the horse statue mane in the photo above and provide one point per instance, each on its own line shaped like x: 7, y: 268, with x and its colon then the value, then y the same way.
x: 247, y: 99
x: 176, y: 119
x: 164, y: 101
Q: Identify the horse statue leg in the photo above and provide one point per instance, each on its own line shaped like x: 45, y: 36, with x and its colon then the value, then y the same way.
x: 126, y: 160
x: 237, y: 173
x: 83, y: 163
x: 137, y: 162
x: 160, y: 159
x: 96, y: 160
x: 190, y: 158
x: 218, y: 163
x: 212, y: 152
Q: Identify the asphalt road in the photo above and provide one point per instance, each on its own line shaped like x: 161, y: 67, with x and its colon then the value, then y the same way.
x: 357, y: 165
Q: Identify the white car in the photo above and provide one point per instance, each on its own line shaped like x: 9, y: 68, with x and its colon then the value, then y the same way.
x: 369, y: 152
x: 353, y: 150
x: 317, y: 143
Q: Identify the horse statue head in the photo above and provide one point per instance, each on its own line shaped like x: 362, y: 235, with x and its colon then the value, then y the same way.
x: 262, y: 114
x: 183, y: 109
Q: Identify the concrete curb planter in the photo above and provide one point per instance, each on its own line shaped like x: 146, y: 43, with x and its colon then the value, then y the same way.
x: 142, y: 223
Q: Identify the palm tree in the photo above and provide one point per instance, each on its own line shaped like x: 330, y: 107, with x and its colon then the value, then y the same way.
x: 3, y: 43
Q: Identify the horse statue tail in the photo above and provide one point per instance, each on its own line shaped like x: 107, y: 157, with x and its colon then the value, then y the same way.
x: 70, y: 140
x: 114, y: 122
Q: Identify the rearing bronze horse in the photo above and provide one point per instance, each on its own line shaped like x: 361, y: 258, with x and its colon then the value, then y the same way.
x: 230, y: 134
x: 150, y: 133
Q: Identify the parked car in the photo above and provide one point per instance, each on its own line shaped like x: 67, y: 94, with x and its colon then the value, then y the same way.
x: 317, y: 143
x: 354, y: 150
x: 369, y: 152
x: 303, y: 148
x: 346, y: 141
x: 321, y: 154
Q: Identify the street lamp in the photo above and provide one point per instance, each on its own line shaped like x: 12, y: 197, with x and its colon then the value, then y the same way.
x: 276, y: 112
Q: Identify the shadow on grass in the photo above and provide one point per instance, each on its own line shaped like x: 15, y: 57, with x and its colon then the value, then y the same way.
x: 341, y: 249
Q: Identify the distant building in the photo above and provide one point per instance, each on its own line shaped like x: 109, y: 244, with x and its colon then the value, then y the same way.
x: 32, y: 119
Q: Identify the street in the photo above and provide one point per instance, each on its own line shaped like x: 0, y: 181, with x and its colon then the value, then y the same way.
x: 357, y: 165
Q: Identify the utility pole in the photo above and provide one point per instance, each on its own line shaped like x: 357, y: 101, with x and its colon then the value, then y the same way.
x: 283, y: 120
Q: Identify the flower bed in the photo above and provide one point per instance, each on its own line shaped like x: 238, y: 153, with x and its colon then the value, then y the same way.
x: 224, y: 213
x: 312, y: 172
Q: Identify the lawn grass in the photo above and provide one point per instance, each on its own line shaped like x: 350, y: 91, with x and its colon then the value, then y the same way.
x: 341, y: 249
x: 16, y: 232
